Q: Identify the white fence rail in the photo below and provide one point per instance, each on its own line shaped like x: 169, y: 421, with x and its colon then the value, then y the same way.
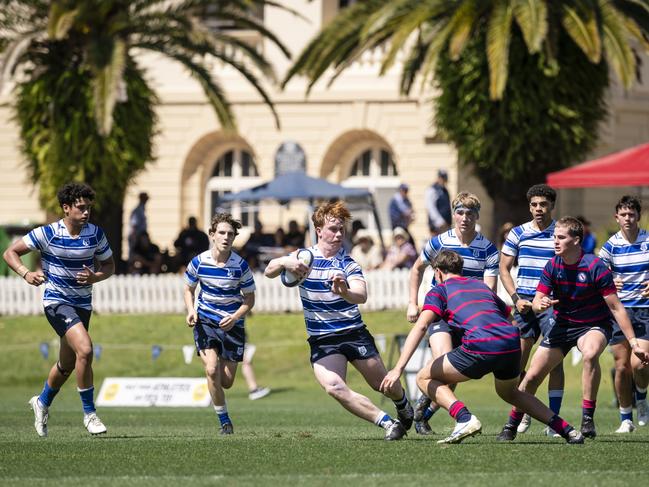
x: 164, y: 294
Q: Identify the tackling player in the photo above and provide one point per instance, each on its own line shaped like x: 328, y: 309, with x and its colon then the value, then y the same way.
x: 490, y: 344
x: 480, y: 262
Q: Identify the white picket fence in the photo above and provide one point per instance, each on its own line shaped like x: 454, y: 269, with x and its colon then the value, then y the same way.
x: 164, y: 294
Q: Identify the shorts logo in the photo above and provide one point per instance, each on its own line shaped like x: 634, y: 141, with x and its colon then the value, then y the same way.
x: 362, y: 350
x: 68, y: 320
x: 581, y: 277
x: 239, y: 350
x: 437, y: 327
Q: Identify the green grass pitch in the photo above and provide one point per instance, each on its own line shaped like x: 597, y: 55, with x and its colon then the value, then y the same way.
x: 296, y: 436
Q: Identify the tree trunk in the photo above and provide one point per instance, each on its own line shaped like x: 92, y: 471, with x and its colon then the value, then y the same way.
x: 110, y: 218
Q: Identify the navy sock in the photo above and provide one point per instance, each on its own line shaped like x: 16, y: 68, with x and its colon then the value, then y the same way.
x: 640, y: 394
x: 87, y: 399
x: 47, y: 395
x: 401, y: 403
x: 555, y: 397
x: 459, y: 412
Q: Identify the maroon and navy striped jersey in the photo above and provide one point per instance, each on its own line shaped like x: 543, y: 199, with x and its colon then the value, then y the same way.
x: 469, y: 305
x: 580, y: 289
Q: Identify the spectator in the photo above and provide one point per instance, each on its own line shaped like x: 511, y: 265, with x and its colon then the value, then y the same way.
x: 250, y: 250
x: 402, y: 253
x: 438, y: 205
x: 401, y: 213
x: 365, y: 253
x: 589, y: 242
x: 146, y: 257
x: 191, y: 241
x: 295, y: 236
x: 137, y: 222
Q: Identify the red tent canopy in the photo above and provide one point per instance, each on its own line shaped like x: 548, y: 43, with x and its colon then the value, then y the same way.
x: 629, y: 167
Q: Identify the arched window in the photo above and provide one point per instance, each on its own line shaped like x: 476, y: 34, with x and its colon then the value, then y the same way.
x: 234, y: 171
x: 374, y: 169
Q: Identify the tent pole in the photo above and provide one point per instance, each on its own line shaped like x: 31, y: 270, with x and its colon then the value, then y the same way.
x: 378, y: 222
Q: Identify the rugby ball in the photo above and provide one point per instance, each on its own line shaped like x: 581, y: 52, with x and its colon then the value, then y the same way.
x: 291, y: 280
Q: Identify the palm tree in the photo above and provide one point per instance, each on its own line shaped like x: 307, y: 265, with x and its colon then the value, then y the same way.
x: 566, y: 48
x: 84, y: 107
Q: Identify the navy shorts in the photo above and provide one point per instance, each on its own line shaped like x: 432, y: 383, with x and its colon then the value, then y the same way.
x: 63, y: 316
x: 639, y: 320
x: 566, y: 337
x: 442, y: 326
x: 532, y: 325
x: 357, y: 344
x: 504, y: 366
x: 228, y: 344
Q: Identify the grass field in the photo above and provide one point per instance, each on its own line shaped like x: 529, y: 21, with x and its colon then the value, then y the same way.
x: 297, y: 435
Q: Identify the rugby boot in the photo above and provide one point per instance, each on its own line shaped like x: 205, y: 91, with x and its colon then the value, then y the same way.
x: 395, y: 431
x: 574, y: 437
x: 420, y: 408
x: 406, y: 415
x: 226, y: 429
x: 93, y: 424
x: 508, y: 433
x: 525, y: 423
x: 588, y: 427
x: 41, y: 414
x: 464, y: 430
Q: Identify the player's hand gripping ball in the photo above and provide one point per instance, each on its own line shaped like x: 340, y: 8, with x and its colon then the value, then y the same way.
x: 291, y: 280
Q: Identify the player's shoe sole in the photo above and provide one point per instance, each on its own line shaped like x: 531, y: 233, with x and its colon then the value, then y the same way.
x: 463, y: 430
x: 41, y: 415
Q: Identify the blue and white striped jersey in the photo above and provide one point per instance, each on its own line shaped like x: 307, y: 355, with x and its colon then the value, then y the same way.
x: 63, y: 256
x: 630, y: 262
x: 221, y: 286
x: 480, y: 257
x: 324, y: 311
x: 534, y: 249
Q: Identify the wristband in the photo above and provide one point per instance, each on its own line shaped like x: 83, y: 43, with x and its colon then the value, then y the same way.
x: 515, y: 298
x: 20, y: 271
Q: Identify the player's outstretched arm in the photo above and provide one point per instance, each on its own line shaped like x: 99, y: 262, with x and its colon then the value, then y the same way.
x: 416, y: 275
x: 412, y: 342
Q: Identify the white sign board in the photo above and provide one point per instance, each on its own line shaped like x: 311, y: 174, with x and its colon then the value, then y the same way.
x: 154, y: 391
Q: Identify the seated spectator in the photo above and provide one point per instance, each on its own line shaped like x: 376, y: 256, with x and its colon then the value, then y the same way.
x: 279, y: 238
x: 402, y: 254
x: 295, y: 236
x: 365, y: 253
x: 250, y: 250
x: 191, y: 241
x: 146, y: 257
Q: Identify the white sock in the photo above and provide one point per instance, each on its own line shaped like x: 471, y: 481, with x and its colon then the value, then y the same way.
x: 383, y: 419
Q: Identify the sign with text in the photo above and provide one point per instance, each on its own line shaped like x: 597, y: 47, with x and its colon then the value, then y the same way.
x: 154, y: 391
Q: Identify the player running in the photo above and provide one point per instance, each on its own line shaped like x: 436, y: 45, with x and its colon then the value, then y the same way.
x: 75, y: 255
x: 227, y: 294
x: 337, y: 334
x: 490, y: 344
x: 627, y: 255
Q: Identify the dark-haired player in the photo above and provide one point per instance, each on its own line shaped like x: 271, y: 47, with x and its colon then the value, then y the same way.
x: 70, y: 249
x: 490, y: 344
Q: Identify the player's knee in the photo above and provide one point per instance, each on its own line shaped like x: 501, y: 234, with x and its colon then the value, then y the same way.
x: 590, y: 356
x: 336, y: 389
x: 84, y: 353
x: 226, y: 382
x: 213, y: 372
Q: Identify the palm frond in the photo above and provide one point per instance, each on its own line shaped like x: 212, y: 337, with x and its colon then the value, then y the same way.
x: 105, y: 85
x: 584, y: 30
x: 616, y: 46
x: 498, y: 39
x: 532, y: 18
